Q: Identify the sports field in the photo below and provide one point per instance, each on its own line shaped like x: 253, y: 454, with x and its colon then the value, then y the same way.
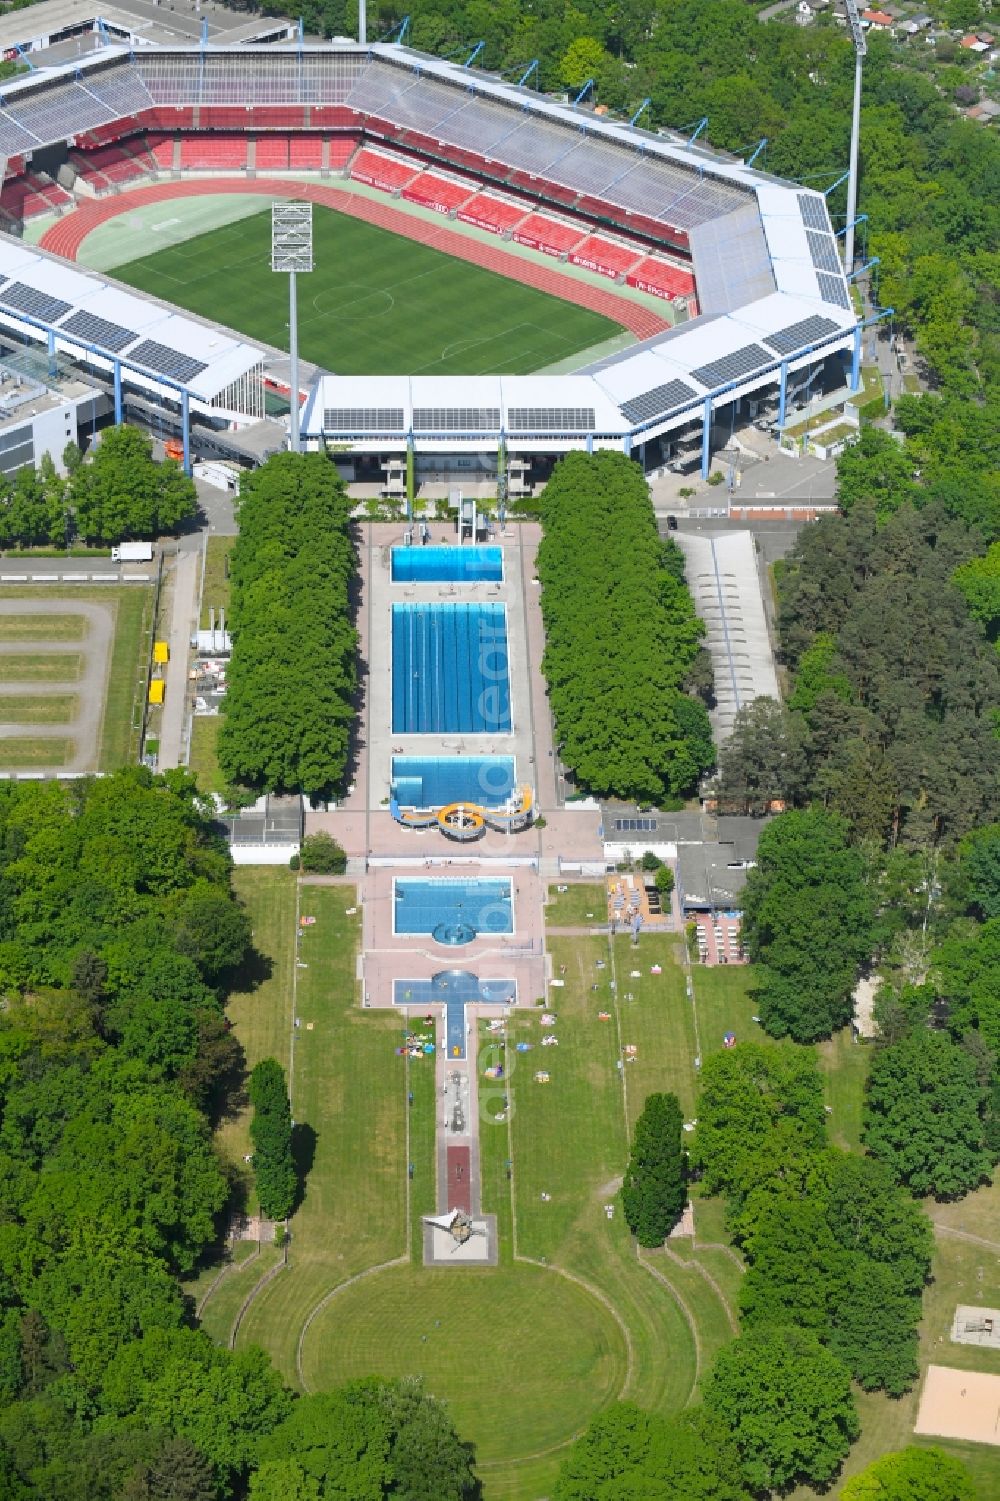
x: 376, y: 304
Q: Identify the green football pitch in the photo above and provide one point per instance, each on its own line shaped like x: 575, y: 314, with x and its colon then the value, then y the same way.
x: 376, y: 304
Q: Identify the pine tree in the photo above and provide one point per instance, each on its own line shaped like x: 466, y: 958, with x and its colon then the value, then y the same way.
x: 654, y: 1190
x: 271, y: 1134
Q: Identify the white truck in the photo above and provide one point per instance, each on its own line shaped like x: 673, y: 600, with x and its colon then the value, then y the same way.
x: 132, y: 552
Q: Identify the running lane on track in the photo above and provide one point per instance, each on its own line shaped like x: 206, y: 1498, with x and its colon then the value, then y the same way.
x: 65, y: 238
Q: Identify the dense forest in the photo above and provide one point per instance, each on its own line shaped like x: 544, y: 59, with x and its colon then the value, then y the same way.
x: 119, y: 937
x: 293, y: 676
x: 625, y: 723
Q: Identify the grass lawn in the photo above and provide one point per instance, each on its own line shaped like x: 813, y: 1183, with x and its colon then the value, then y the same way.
x: 222, y: 1308
x: 41, y: 667
x: 844, y: 1066
x: 203, y: 762
x: 215, y: 591
x: 582, y: 905
x: 44, y: 708
x: 349, y: 1100
x: 22, y: 752
x: 376, y: 303
x: 123, y: 708
x: 260, y: 1009
x: 522, y: 1355
x: 68, y: 627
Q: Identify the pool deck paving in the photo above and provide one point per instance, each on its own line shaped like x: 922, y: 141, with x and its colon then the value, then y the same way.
x: 380, y: 849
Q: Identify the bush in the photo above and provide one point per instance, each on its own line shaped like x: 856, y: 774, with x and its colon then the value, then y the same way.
x: 295, y: 863
x: 651, y: 861
x: 322, y: 855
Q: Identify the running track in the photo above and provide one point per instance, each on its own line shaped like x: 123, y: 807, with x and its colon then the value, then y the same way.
x: 65, y: 238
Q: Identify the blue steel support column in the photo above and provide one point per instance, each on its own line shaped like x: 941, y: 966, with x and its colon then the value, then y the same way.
x: 706, y: 429
x: 590, y: 442
x: 186, y: 430
x: 782, y: 394
x: 118, y: 392
x: 52, y: 352
x: 627, y: 443
x: 856, y: 359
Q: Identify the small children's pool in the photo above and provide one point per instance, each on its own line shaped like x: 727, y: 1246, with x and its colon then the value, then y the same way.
x: 435, y: 781
x: 455, y: 989
x: 447, y: 565
x: 453, y: 912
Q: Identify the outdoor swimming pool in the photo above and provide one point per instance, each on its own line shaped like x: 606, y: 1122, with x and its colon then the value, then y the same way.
x: 447, y: 565
x: 449, y: 670
x: 452, y: 911
x: 456, y: 989
x: 434, y: 781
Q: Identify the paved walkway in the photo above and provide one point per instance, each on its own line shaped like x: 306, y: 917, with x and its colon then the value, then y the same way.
x: 185, y: 578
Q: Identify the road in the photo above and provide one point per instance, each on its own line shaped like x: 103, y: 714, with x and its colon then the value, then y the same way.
x: 185, y: 580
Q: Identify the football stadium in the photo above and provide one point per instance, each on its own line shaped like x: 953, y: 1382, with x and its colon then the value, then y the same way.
x: 453, y: 210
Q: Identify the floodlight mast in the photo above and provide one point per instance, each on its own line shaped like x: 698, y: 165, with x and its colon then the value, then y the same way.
x: 860, y: 51
x: 291, y: 252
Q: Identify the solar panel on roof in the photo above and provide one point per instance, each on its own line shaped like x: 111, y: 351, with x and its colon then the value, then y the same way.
x: 832, y: 289
x: 363, y: 419
x: 796, y: 335
x: 550, y: 419
x: 456, y: 419
x: 166, y: 361
x: 659, y: 399
x: 813, y: 211
x: 823, y: 252
x: 36, y: 304
x: 731, y: 366
x: 99, y: 331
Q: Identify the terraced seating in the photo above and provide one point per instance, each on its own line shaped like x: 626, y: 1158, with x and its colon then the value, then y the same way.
x: 440, y: 193
x: 495, y: 214
x: 553, y: 236
x: 609, y: 257
x: 390, y: 173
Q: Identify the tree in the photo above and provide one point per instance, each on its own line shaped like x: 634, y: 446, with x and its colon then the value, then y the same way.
x: 628, y: 1453
x: 923, y: 1115
x: 747, y: 1092
x: 289, y: 707
x: 764, y: 759
x: 322, y: 854
x: 654, y: 1190
x: 364, y: 1441
x: 807, y: 922
x: 978, y: 870
x: 123, y: 493
x: 912, y: 1475
x: 271, y: 1134
x: 788, y: 1404
x: 876, y: 469
x: 664, y: 880
x: 625, y: 725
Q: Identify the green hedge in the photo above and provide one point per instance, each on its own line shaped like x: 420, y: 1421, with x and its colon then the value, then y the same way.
x: 621, y: 634
x: 289, y: 705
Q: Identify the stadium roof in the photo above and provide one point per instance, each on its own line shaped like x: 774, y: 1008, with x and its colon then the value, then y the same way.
x: 89, y: 314
x: 770, y: 284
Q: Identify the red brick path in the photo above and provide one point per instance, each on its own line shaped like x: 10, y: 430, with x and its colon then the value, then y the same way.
x: 65, y: 238
x: 460, y: 1179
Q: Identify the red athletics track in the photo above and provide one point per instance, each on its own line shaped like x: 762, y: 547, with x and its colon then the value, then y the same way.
x: 459, y: 1185
x: 66, y: 237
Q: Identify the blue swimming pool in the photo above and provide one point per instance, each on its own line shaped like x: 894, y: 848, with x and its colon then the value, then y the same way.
x: 447, y: 565
x: 449, y: 670
x: 434, y: 781
x: 453, y: 912
x: 456, y: 989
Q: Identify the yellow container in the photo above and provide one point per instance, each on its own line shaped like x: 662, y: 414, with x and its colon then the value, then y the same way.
x: 161, y: 652
x: 156, y: 689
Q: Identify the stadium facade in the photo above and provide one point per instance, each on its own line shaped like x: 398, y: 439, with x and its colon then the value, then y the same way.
x: 774, y: 322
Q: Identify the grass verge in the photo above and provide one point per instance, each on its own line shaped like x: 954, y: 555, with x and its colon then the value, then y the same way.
x: 43, y: 708
x: 68, y: 627
x: 583, y: 905
x: 41, y: 667
x: 215, y: 589
x: 24, y: 752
